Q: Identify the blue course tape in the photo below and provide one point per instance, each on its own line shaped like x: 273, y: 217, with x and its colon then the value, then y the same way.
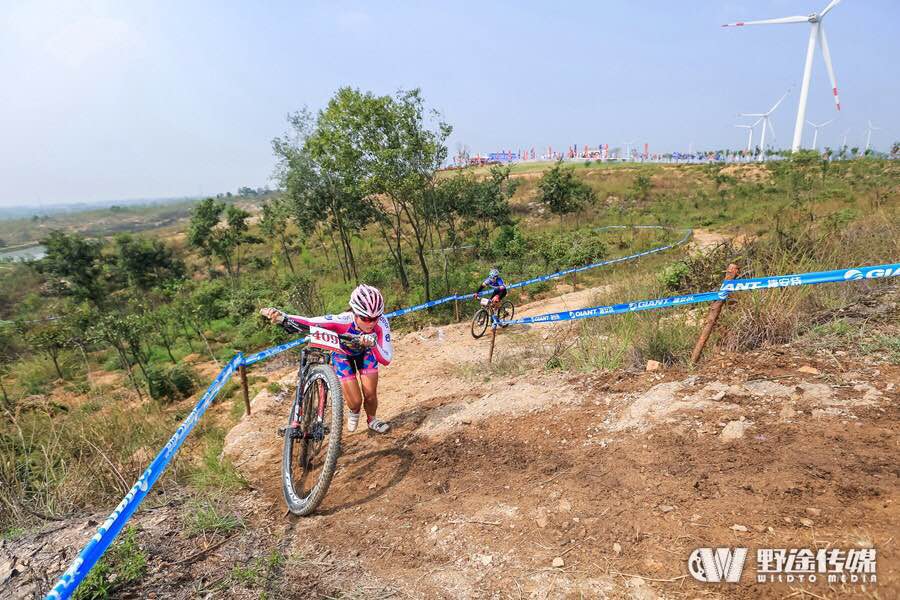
x: 270, y: 352
x: 617, y: 309
x: 110, y: 528
x: 762, y: 283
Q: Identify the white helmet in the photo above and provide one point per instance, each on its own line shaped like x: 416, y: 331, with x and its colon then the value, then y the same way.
x: 366, y: 301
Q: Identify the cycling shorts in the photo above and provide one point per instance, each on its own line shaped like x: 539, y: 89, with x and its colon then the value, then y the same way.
x: 499, y: 293
x: 346, y: 366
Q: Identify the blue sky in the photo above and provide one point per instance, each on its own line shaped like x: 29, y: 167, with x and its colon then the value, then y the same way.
x: 110, y: 100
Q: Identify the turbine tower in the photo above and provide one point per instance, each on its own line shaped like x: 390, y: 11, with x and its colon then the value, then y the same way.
x: 816, y: 36
x: 749, y: 129
x: 766, y: 124
x: 869, y: 131
x: 628, y: 149
x: 816, y: 134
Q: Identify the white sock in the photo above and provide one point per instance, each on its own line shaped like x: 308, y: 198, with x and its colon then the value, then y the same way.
x: 352, y: 421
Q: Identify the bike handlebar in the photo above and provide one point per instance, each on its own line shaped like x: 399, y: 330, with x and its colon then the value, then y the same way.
x: 293, y: 327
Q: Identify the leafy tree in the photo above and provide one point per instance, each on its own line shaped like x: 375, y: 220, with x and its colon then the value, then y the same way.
x: 275, y: 214
x: 562, y: 192
x: 78, y: 265
x: 146, y: 263
x: 50, y: 337
x: 225, y: 242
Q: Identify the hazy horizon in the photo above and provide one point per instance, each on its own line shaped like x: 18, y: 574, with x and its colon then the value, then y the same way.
x: 111, y: 102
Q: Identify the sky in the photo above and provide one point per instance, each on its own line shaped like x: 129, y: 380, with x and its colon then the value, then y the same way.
x: 107, y: 100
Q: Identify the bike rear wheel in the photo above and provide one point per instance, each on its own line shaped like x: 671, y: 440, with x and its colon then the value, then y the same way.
x: 312, y: 441
x: 479, y: 323
x: 507, y: 311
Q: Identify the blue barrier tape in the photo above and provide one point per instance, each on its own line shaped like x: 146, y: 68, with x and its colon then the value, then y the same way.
x: 270, y: 352
x: 617, y: 309
x: 110, y: 528
x: 734, y: 285
x: 857, y: 273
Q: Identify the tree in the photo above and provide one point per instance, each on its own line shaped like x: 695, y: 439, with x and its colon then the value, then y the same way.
x: 50, y: 337
x: 562, y: 192
x: 225, y: 242
x: 8, y: 348
x: 78, y: 265
x: 274, y: 224
x: 146, y: 263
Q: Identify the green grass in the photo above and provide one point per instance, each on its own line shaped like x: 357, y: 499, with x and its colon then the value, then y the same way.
x: 214, y: 471
x: 205, y: 516
x: 123, y: 565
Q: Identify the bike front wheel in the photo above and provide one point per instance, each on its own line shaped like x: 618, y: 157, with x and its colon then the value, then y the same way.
x: 479, y: 323
x: 506, y: 312
x: 312, y: 440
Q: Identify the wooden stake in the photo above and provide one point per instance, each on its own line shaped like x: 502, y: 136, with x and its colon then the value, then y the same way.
x: 493, y: 341
x: 456, y: 309
x: 712, y: 317
x: 242, y: 370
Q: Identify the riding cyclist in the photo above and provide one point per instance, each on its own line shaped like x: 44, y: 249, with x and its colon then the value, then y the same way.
x: 366, y: 320
x: 495, y: 282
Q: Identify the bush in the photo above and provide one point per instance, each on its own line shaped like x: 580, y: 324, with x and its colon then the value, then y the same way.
x: 36, y: 374
x: 171, y: 383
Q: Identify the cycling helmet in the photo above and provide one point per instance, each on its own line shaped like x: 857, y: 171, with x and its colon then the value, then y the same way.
x: 494, y: 273
x: 366, y: 301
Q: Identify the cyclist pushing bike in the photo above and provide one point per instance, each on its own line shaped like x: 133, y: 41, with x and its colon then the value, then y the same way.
x: 494, y: 282
x: 372, y: 346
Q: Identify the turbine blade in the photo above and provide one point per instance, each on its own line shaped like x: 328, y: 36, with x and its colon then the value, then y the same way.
x: 823, y: 41
x: 827, y: 123
x: 771, y: 110
x: 757, y: 123
x: 781, y: 21
x: 828, y: 8
x: 752, y: 115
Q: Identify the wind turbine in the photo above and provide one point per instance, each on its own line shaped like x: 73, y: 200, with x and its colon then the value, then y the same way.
x: 816, y: 134
x: 749, y: 129
x: 764, y: 117
x: 869, y: 131
x: 628, y: 149
x: 816, y: 35
x: 844, y: 145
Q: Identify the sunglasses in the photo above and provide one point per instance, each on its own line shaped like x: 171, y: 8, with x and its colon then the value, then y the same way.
x: 366, y: 319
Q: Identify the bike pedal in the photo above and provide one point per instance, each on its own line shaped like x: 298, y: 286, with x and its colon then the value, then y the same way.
x: 280, y: 432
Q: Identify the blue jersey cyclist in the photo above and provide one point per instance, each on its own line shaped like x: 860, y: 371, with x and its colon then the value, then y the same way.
x: 494, y: 282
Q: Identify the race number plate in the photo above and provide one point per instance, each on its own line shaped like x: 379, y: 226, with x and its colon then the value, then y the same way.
x: 324, y: 339
x: 485, y: 301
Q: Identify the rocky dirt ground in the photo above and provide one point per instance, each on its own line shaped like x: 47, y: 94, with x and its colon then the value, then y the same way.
x: 535, y: 484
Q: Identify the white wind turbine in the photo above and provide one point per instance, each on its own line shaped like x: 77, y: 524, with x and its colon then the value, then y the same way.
x: 749, y: 129
x: 816, y: 128
x: 844, y: 144
x: 766, y: 124
x: 869, y: 131
x: 816, y: 35
x: 628, y: 149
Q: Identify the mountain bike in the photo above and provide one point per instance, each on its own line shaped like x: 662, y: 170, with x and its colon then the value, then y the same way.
x: 312, y: 437
x: 488, y: 313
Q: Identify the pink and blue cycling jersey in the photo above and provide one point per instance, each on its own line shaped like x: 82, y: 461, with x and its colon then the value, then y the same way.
x: 364, y: 361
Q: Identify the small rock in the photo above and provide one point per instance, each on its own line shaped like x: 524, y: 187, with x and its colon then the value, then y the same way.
x: 558, y: 562
x: 741, y: 528
x: 372, y: 486
x: 806, y: 522
x: 617, y: 548
x: 696, y: 517
x: 813, y: 512
x: 565, y: 505
x: 666, y: 508
x: 808, y: 369
x: 734, y: 430
x: 541, y: 521
x: 433, y: 528
x: 770, y: 529
x: 653, y: 365
x: 487, y: 559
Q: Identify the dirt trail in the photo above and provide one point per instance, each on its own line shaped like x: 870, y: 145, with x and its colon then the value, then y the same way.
x: 524, y: 483
x: 487, y: 480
